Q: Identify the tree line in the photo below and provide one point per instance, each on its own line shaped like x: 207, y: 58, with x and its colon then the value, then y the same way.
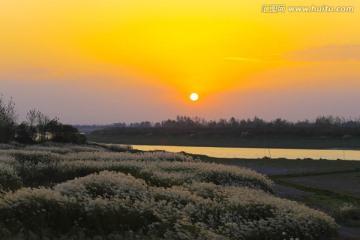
x: 322, y: 126
x: 36, y: 128
x: 195, y: 122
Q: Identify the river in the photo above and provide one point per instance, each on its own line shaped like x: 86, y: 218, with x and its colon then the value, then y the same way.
x: 254, y: 153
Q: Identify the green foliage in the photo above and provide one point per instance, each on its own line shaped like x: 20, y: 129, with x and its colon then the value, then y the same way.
x: 64, y: 133
x: 35, y: 168
x: 38, y: 211
x: 39, y: 128
x: 24, y: 134
x: 237, y: 132
x: 9, y: 179
x: 348, y: 214
x: 115, y: 147
x: 129, y: 204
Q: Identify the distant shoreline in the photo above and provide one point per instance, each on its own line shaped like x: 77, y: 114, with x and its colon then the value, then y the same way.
x: 272, y: 142
x: 355, y: 149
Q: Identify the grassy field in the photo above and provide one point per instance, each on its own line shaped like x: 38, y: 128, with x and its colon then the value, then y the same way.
x: 93, y: 192
x: 284, y: 166
x: 329, y: 186
x: 344, y: 183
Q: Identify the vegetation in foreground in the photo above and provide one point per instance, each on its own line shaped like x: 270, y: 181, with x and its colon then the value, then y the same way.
x: 87, y: 192
x: 329, y: 186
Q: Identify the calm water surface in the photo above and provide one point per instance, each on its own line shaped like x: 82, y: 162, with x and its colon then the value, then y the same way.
x: 259, y: 152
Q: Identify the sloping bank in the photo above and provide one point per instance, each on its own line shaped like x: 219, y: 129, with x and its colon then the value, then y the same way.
x: 96, y: 194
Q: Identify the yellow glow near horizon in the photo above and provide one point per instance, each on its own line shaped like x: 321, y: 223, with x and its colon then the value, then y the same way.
x: 212, y: 46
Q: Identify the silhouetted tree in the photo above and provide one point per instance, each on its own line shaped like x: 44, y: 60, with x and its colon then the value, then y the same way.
x: 8, y: 119
x: 36, y: 122
x: 39, y: 128
x: 24, y: 134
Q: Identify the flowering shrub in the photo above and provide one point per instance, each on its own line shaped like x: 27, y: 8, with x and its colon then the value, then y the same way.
x: 39, y: 168
x: 166, y: 174
x: 6, y: 146
x: 348, y: 214
x: 115, y: 203
x: 9, y: 180
x: 105, y: 184
x: 150, y: 195
x: 120, y: 156
x: 62, y: 148
x: 114, y: 147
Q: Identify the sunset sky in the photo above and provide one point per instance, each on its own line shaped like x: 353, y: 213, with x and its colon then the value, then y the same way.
x: 91, y: 61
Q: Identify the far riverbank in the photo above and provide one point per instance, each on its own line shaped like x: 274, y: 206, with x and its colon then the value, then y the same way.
x: 284, y: 142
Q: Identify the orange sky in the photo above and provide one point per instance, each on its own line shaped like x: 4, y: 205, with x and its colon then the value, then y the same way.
x: 89, y: 61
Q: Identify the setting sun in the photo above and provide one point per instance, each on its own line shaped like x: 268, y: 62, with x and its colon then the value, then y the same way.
x: 194, y: 97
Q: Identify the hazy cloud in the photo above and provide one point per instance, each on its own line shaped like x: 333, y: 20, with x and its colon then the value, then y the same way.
x: 331, y: 53
x: 259, y: 60
x: 33, y: 71
x: 243, y: 59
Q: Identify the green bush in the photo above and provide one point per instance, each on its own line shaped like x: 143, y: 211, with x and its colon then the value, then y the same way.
x: 115, y: 203
x: 9, y: 180
x: 347, y: 214
x: 143, y: 196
